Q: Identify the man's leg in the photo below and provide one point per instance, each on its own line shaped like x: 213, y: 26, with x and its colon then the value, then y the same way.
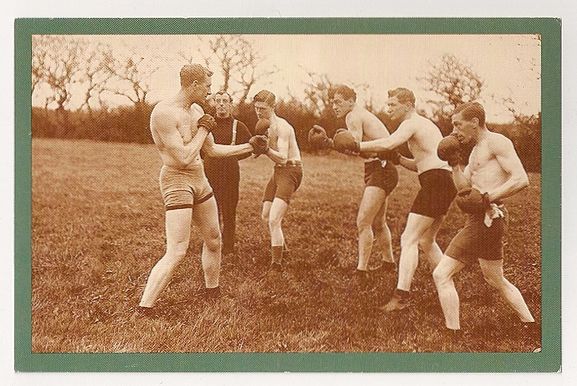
x: 428, y: 243
x: 373, y: 200
x: 277, y: 212
x: 493, y: 273
x: 177, y: 239
x: 416, y: 227
x: 206, y: 218
x: 443, y: 276
x: 382, y: 235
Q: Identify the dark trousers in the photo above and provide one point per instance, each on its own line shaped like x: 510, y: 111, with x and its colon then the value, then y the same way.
x: 225, y: 185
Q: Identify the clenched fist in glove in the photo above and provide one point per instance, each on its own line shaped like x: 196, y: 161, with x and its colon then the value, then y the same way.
x: 262, y: 126
x: 470, y: 200
x: 450, y: 149
x: 318, y: 138
x: 345, y: 142
x: 259, y: 144
x: 208, y: 122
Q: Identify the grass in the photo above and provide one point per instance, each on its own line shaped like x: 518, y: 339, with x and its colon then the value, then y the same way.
x: 98, y: 228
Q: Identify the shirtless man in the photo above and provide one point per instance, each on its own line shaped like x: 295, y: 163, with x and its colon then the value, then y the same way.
x: 436, y: 193
x: 381, y: 177
x: 284, y: 152
x: 494, y: 172
x: 180, y: 132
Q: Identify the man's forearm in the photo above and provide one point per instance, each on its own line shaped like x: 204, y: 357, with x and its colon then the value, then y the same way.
x: 190, y: 151
x: 408, y: 163
x: 381, y: 144
x: 510, y: 187
x: 276, y: 156
x: 221, y: 151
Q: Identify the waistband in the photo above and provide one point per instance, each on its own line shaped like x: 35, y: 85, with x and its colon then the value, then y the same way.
x: 435, y: 172
x: 290, y: 163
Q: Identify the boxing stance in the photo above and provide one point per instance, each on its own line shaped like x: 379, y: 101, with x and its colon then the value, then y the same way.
x: 434, y: 197
x: 381, y: 177
x: 180, y: 132
x: 494, y: 172
x: 288, y: 172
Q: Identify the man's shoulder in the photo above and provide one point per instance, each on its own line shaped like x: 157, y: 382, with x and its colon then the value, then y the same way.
x: 498, y: 143
x: 282, y: 123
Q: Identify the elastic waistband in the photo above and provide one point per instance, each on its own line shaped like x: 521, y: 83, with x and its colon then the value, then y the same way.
x: 290, y: 163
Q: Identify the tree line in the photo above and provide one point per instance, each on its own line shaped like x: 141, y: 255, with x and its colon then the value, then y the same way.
x: 63, y: 67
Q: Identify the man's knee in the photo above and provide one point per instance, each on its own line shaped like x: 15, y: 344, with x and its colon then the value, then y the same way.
x: 364, y: 221
x: 213, y: 240
x: 175, y: 253
x: 495, y: 281
x: 426, y: 243
x: 408, y: 239
x: 274, y: 221
x: 441, y: 276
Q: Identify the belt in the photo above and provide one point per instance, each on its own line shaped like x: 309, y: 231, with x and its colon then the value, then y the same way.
x: 290, y: 163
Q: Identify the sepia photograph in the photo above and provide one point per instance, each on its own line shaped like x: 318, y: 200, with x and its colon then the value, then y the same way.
x: 298, y: 193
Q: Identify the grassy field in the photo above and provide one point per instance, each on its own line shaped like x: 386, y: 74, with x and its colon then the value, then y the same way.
x: 98, y: 228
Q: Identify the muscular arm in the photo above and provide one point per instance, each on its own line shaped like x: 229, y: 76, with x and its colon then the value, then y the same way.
x: 508, y: 160
x: 169, y: 140
x: 280, y: 156
x: 214, y: 150
x: 408, y: 163
x: 400, y: 136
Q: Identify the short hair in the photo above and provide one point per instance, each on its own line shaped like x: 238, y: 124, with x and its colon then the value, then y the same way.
x: 404, y: 95
x: 223, y: 92
x: 191, y: 72
x: 471, y: 110
x: 266, y: 97
x: 345, y: 91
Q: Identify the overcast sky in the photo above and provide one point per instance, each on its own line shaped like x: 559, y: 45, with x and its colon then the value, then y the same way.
x: 508, y: 64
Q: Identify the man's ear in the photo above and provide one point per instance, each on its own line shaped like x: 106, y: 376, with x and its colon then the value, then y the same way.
x: 475, y: 120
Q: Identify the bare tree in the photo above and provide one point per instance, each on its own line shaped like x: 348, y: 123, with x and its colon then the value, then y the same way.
x: 57, y: 63
x: 237, y: 61
x: 95, y: 76
x: 132, y: 74
x: 454, y: 83
x: 317, y: 92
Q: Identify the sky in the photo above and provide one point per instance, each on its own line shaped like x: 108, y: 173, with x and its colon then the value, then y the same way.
x: 508, y: 64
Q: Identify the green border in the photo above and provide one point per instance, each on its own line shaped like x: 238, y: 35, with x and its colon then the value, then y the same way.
x: 549, y: 360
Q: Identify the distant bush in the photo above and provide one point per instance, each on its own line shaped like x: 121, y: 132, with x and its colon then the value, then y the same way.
x: 131, y: 124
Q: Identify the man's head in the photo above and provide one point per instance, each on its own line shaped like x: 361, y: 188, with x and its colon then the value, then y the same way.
x: 264, y: 102
x: 195, y: 80
x: 223, y: 104
x: 343, y: 99
x: 468, y: 119
x: 401, y: 102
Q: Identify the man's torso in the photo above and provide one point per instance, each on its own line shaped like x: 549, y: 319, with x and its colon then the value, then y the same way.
x: 484, y: 168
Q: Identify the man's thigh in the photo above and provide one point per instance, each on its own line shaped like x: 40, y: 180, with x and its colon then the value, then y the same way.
x: 371, y: 203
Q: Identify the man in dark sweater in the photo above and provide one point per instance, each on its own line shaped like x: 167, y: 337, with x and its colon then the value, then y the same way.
x: 223, y: 173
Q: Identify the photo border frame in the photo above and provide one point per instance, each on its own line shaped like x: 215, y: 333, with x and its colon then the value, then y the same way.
x: 547, y: 360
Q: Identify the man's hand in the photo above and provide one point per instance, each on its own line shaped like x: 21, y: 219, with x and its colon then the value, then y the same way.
x: 470, y: 200
x: 318, y: 138
x: 259, y: 144
x: 449, y: 149
x: 208, y: 122
x: 344, y: 142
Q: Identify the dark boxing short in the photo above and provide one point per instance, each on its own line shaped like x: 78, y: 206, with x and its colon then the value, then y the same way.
x: 386, y: 177
x: 285, y: 180
x: 436, y: 193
